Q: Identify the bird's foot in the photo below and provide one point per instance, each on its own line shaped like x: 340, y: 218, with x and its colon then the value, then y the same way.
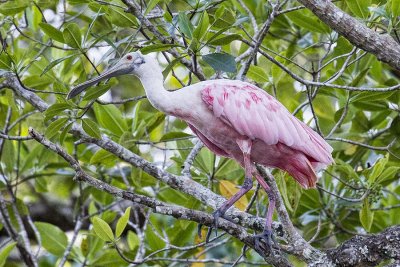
x: 216, y: 214
x: 265, y: 240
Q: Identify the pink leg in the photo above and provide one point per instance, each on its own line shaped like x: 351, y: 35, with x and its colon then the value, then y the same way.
x: 271, y: 199
x: 245, y: 146
x: 267, y: 233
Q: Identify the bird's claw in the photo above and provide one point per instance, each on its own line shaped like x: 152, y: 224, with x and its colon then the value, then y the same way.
x: 216, y: 214
x: 265, y: 240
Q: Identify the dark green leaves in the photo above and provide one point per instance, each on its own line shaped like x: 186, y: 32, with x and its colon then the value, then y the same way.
x: 221, y: 62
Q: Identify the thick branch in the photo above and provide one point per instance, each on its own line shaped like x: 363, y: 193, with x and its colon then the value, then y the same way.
x: 368, y: 250
x: 383, y: 46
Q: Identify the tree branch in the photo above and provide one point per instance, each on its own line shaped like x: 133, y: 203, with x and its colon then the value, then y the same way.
x: 368, y: 250
x: 356, y: 32
x: 158, y: 206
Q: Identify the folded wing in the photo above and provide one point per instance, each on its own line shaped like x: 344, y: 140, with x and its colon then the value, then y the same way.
x: 254, y: 113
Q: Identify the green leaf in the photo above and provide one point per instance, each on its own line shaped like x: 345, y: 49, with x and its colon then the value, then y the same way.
x: 11, y: 8
x: 367, y: 96
x: 91, y: 128
x: 307, y: 20
x: 96, y: 91
x: 72, y: 35
x: 194, y: 45
x: 133, y: 240
x: 174, y: 135
x: 155, y: 121
x: 85, y: 246
x: 387, y: 174
x: 102, y: 157
x: 5, y: 251
x: 372, y: 105
x: 150, y: 6
x: 121, y: 18
x: 202, y: 26
x: 157, y: 48
x: 366, y: 215
x: 78, y: 2
x: 122, y: 222
x: 8, y: 155
x: 65, y: 132
x: 396, y: 8
x: 54, y: 240
x: 52, y: 32
x: 55, y: 63
x: 224, y: 40
x: 54, y: 127
x: 377, y: 169
x: 102, y: 229
x: 221, y: 62
x: 110, y: 118
x: 359, y: 7
x: 109, y: 258
x: 38, y: 82
x: 56, y: 109
x: 395, y: 126
x: 257, y: 74
x: 171, y: 66
x: 185, y: 25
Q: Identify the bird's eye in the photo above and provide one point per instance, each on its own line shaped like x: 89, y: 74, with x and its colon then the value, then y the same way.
x: 129, y: 57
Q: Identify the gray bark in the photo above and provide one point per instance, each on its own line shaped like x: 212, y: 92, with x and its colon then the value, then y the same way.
x: 383, y: 46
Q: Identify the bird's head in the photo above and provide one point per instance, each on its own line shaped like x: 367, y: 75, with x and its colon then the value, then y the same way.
x: 131, y: 63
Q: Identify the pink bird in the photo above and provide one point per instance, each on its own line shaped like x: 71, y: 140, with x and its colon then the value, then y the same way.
x: 237, y: 120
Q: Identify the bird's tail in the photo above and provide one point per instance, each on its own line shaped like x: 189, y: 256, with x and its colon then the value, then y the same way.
x: 303, y: 171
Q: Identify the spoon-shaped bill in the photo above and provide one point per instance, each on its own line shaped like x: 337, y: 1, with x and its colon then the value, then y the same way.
x: 118, y: 69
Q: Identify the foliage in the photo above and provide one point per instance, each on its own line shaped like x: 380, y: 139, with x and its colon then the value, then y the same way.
x: 53, y: 45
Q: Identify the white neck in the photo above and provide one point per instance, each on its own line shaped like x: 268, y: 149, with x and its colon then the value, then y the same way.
x: 153, y: 84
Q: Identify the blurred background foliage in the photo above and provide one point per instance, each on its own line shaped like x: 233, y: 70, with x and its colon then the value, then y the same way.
x: 53, y: 45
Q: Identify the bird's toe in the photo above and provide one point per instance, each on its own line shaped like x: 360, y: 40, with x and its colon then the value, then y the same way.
x: 265, y: 240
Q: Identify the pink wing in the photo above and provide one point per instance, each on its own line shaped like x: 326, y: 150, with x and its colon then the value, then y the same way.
x: 254, y: 113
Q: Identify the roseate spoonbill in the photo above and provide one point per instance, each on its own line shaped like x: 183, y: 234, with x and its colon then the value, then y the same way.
x: 233, y: 119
